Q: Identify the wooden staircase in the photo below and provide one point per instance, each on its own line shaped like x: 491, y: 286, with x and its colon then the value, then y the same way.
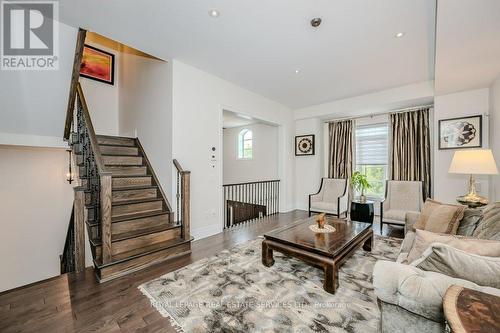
x: 129, y: 220
x: 143, y: 229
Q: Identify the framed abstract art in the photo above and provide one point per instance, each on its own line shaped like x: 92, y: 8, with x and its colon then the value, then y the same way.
x: 461, y: 133
x: 304, y: 145
x: 98, y: 65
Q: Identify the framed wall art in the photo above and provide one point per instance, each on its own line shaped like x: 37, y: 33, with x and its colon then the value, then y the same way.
x: 98, y: 65
x: 304, y: 145
x: 461, y: 133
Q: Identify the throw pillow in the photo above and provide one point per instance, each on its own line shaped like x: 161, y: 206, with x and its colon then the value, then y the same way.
x: 445, y: 259
x: 424, y: 239
x: 439, y: 217
x: 472, y: 217
x: 489, y: 227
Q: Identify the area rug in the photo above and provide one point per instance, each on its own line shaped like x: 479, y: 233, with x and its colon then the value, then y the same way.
x: 233, y: 292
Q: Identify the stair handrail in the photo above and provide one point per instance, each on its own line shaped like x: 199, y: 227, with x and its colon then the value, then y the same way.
x: 75, y: 75
x: 183, y: 199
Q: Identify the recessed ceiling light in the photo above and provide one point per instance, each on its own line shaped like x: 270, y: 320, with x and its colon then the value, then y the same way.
x: 315, y: 22
x: 213, y: 13
x: 399, y: 34
x: 297, y: 71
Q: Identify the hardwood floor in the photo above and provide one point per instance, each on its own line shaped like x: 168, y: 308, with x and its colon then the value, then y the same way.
x: 77, y: 303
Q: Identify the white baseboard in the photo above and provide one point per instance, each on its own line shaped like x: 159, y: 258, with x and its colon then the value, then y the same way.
x: 206, y: 231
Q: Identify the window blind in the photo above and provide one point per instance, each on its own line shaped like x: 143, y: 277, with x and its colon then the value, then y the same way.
x: 372, y: 144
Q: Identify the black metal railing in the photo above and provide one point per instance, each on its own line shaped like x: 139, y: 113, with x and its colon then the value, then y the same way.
x: 249, y: 201
x: 89, y: 171
x: 68, y: 255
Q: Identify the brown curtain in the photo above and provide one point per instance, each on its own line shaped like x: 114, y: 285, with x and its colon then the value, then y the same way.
x: 340, y: 150
x: 410, y: 148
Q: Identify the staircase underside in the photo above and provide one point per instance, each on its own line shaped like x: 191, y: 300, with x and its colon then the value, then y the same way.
x: 143, y: 230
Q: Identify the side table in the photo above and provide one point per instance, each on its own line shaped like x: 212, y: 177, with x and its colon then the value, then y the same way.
x: 362, y: 211
x: 468, y: 310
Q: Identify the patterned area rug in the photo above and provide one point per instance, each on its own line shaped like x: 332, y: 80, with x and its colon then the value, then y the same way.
x: 234, y: 292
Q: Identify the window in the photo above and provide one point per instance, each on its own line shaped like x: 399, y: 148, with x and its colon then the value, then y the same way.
x: 245, y: 144
x: 372, y: 147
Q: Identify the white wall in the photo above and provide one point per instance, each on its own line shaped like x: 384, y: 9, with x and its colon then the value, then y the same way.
x: 35, y: 210
x: 309, y: 169
x: 380, y: 101
x: 495, y: 134
x: 145, y: 104
x: 102, y: 98
x: 34, y: 102
x: 472, y: 102
x: 264, y: 162
x: 198, y: 101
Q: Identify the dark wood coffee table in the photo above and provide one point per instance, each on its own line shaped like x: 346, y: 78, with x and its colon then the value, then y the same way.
x: 326, y: 251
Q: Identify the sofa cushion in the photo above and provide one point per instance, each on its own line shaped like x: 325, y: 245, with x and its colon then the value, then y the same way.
x: 395, y: 214
x: 439, y: 217
x: 489, y: 227
x: 324, y: 206
x: 445, y: 259
x: 424, y: 239
x: 416, y: 290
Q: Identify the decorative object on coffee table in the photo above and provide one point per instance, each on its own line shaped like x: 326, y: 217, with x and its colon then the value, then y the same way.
x: 362, y: 211
x: 298, y: 241
x: 320, y: 220
x: 468, y: 310
x: 326, y: 229
x: 360, y: 184
x: 473, y: 162
x: 304, y: 145
x: 459, y: 133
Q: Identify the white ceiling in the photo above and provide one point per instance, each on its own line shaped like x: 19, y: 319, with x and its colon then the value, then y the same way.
x: 468, y: 44
x: 258, y: 44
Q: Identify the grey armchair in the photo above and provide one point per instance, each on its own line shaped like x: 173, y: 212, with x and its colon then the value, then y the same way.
x: 401, y: 197
x: 332, y: 197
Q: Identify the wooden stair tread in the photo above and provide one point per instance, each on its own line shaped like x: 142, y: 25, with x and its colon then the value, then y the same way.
x: 130, y: 202
x: 131, y: 217
x: 129, y: 176
x: 122, y: 257
x: 131, y: 188
x: 136, y: 201
x: 137, y: 233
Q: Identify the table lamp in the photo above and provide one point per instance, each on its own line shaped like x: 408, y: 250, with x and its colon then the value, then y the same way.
x: 473, y: 162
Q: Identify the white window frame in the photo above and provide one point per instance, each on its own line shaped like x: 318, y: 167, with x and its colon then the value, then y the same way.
x: 358, y: 166
x: 241, y: 144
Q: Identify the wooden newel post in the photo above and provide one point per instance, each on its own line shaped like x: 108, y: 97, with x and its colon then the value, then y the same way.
x: 106, y: 217
x: 79, y: 225
x: 185, y: 205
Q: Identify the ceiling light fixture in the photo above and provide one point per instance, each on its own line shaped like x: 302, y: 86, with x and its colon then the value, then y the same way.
x: 213, y: 13
x: 399, y: 34
x: 297, y: 71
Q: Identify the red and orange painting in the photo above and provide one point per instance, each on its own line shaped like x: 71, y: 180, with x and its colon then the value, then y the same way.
x: 97, y: 65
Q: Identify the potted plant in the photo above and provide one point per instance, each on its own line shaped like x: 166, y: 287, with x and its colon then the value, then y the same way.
x: 359, y: 183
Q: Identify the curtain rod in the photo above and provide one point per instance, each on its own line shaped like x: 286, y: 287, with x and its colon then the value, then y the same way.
x: 413, y: 108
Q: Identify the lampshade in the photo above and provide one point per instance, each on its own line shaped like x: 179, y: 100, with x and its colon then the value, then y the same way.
x: 474, y: 161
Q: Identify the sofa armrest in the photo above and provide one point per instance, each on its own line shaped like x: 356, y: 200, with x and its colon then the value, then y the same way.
x: 415, y: 290
x: 410, y: 220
